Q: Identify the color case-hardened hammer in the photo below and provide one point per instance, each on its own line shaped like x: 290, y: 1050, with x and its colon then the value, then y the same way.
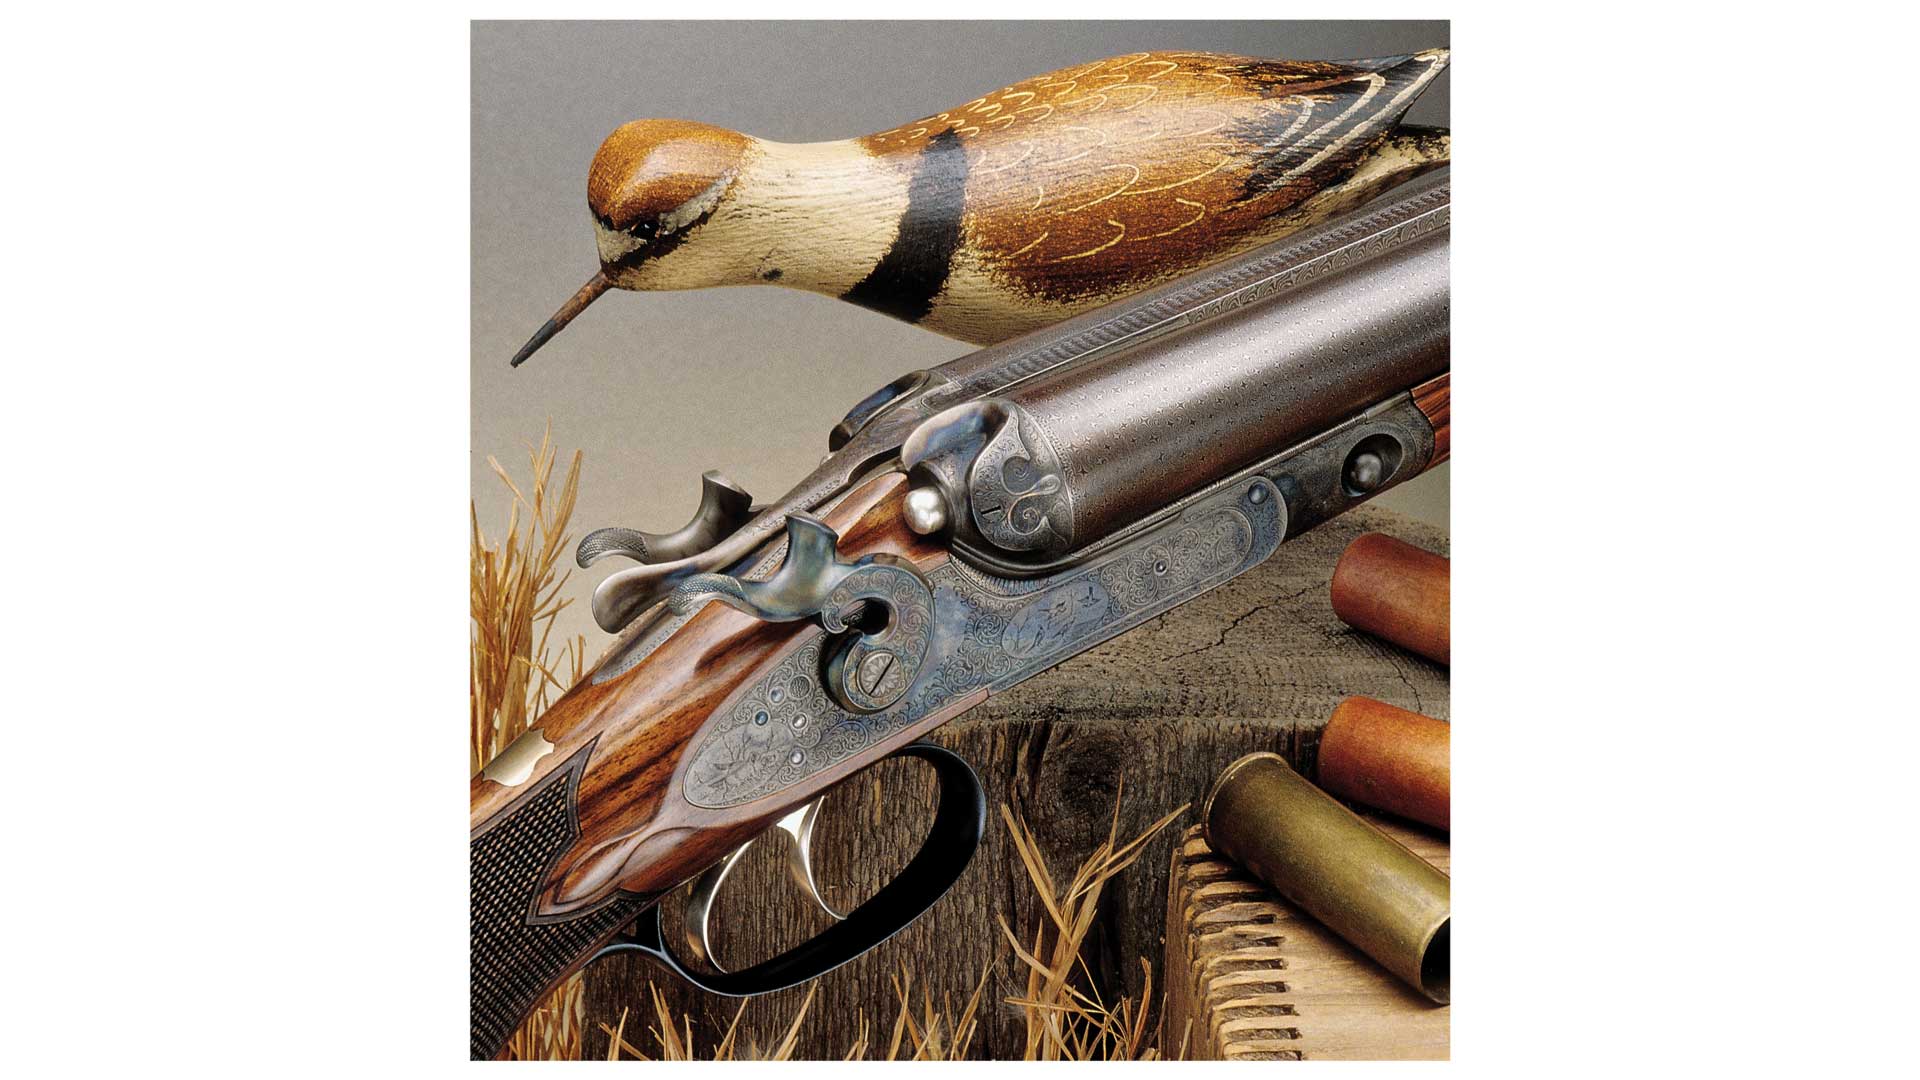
x: 975, y: 525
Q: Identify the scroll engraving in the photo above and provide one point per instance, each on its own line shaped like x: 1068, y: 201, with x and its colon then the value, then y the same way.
x: 1020, y: 500
x: 986, y: 632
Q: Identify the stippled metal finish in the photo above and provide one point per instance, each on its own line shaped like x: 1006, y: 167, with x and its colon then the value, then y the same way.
x: 1175, y: 414
x: 873, y: 433
x: 988, y: 633
x: 1308, y: 476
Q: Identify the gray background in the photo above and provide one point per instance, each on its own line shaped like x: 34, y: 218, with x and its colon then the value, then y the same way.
x: 656, y: 387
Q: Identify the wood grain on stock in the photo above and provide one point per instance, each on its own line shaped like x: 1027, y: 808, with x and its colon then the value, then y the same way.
x: 634, y: 837
x: 1432, y: 399
x: 1257, y: 664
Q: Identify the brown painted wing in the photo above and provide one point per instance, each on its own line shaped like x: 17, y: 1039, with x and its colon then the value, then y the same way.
x: 1142, y: 165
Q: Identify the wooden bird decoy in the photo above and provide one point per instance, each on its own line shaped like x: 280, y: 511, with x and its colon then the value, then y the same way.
x: 1020, y: 208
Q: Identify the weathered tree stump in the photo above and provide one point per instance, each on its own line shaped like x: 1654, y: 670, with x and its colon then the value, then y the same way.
x: 1257, y: 664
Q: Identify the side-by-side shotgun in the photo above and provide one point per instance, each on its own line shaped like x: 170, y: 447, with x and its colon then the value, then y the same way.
x: 975, y: 525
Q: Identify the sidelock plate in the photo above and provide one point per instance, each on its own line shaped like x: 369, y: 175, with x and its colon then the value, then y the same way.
x: 989, y: 633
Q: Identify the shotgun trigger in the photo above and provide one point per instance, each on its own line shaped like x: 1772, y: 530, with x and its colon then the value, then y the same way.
x: 959, y: 821
x: 699, y: 909
x: 799, y: 826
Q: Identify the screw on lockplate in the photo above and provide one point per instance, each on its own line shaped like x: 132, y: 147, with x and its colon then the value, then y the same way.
x: 873, y: 670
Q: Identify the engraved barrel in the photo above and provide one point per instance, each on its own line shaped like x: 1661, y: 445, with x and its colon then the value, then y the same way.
x: 1085, y: 449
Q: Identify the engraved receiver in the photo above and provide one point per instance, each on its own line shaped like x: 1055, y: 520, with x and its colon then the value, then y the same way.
x: 975, y: 525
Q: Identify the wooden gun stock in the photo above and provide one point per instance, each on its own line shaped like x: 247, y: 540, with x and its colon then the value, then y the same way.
x: 597, y: 829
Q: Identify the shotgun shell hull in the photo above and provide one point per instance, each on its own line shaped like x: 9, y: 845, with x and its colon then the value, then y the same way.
x: 1388, y: 758
x: 1396, y: 591
x: 1321, y: 856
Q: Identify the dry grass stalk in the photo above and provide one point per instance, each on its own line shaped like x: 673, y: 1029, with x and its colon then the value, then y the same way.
x: 515, y: 590
x: 553, y: 1031
x: 929, y: 1037
x: 515, y: 595
x: 516, y: 586
x: 676, y: 1041
x: 933, y: 1038
x: 1066, y: 1020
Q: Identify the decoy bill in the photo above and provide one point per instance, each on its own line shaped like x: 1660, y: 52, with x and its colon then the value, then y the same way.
x: 1019, y: 208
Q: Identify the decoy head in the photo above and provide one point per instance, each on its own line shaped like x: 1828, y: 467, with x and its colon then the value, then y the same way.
x: 652, y: 184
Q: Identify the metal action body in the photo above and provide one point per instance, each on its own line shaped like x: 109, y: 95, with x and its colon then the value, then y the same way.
x: 975, y: 525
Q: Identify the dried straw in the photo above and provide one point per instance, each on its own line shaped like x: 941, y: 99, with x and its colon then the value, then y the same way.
x: 1065, y: 1018
x: 515, y: 586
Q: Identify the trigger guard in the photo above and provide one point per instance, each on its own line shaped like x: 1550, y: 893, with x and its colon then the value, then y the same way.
x: 958, y: 824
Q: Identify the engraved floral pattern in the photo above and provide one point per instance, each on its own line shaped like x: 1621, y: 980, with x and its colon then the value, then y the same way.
x: 984, y: 632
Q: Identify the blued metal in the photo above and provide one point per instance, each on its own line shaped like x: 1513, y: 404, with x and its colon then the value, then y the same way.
x: 1372, y: 891
x: 724, y: 507
x: 875, y: 431
x: 658, y: 623
x: 1309, y: 477
x: 624, y: 597
x: 865, y: 672
x: 988, y: 633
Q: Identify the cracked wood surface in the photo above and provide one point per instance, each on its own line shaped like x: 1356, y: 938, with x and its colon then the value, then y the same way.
x: 1257, y: 664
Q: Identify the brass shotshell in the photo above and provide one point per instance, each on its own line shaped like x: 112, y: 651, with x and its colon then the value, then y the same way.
x: 1372, y: 891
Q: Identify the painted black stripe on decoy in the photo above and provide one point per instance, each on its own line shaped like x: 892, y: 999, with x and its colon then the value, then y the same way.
x: 915, y: 268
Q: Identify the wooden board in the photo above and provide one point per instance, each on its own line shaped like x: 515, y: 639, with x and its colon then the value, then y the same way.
x: 1257, y: 664
x: 1250, y: 977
